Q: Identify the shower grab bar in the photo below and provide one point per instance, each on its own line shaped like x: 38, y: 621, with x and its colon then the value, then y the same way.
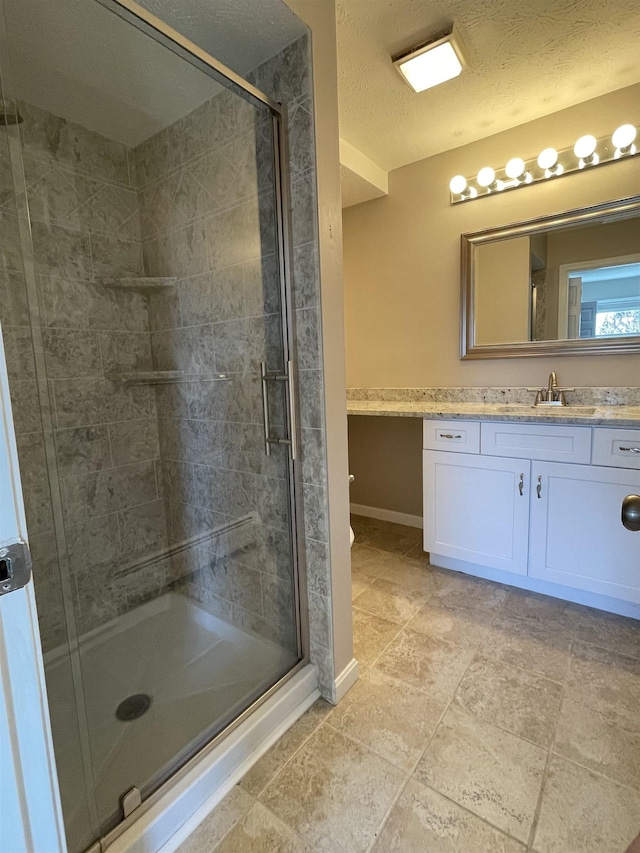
x: 167, y: 377
x: 287, y: 377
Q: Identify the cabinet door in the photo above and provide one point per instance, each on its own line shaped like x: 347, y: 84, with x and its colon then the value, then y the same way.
x: 475, y: 509
x: 577, y: 537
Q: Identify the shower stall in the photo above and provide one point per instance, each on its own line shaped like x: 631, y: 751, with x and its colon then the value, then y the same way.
x: 146, y: 308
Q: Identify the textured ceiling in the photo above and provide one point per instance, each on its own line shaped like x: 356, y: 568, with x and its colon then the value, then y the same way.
x: 82, y: 62
x: 527, y: 58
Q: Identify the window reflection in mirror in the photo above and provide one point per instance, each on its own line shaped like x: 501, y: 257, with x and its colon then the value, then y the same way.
x: 581, y: 281
x: 604, y: 299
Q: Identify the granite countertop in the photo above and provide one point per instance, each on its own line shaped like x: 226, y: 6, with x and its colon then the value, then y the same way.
x: 599, y: 415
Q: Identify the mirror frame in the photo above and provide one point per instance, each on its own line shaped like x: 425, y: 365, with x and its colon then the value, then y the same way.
x: 611, y: 210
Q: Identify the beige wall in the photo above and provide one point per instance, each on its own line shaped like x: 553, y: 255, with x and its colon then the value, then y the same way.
x: 401, y: 271
x: 503, y: 276
x: 385, y: 459
x: 401, y: 257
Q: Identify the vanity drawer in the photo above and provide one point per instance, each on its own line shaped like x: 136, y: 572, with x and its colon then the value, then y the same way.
x: 547, y: 442
x: 616, y: 448
x: 456, y: 436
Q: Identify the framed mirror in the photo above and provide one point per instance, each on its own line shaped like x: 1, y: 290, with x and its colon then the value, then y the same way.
x: 567, y: 284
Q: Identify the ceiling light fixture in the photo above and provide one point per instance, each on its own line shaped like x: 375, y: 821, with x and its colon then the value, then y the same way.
x: 587, y: 154
x: 433, y: 62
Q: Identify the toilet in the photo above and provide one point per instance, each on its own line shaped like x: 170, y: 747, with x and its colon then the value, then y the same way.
x: 352, y: 535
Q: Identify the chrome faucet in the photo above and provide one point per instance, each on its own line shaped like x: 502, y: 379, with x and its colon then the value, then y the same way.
x: 551, y: 395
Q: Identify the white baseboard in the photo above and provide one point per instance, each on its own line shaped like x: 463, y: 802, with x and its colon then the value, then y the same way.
x: 171, y: 820
x: 345, y: 681
x: 387, y: 515
x: 566, y: 593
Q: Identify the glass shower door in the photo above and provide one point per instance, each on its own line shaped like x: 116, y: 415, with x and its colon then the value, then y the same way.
x: 157, y: 325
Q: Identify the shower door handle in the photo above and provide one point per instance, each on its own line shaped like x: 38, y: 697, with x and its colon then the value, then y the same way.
x: 265, y: 408
x: 293, y: 419
x: 288, y: 378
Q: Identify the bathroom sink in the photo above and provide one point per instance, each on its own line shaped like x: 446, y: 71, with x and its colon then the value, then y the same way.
x: 523, y: 408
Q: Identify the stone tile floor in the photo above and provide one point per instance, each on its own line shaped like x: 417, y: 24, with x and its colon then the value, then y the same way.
x: 485, y: 719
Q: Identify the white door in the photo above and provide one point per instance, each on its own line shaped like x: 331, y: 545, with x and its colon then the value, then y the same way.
x: 575, y: 300
x: 30, y: 812
x: 476, y: 508
x: 577, y: 536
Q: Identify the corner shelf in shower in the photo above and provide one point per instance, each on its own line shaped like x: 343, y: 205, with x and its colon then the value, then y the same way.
x: 168, y: 377
x: 144, y: 284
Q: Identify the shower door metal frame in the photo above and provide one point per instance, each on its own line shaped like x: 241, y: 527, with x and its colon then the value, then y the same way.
x: 36, y: 325
x: 164, y: 34
x: 145, y: 21
x: 29, y: 789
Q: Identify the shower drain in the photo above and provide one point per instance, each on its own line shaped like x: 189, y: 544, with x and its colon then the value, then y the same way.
x: 133, y: 707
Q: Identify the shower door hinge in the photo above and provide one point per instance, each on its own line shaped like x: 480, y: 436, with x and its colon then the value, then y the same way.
x: 130, y: 801
x: 15, y: 566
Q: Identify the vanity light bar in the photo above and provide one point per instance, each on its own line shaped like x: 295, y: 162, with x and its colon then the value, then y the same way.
x: 587, y: 153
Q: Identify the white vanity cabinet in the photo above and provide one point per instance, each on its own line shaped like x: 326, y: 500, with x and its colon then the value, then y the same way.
x: 477, y: 509
x: 525, y: 503
x: 577, y: 537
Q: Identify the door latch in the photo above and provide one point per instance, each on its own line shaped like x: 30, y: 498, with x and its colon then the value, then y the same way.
x: 15, y: 566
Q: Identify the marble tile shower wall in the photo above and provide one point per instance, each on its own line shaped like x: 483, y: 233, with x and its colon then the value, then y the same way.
x: 208, y: 221
x: 86, y: 235
x: 287, y: 78
x: 123, y: 499
x: 138, y: 464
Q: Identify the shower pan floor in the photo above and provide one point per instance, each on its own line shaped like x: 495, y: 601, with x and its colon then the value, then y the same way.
x: 196, y: 669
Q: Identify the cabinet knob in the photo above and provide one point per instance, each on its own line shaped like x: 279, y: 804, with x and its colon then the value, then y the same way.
x: 631, y: 512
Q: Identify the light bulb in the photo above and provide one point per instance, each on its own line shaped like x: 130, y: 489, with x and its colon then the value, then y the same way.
x: 548, y: 158
x: 515, y: 168
x: 624, y: 136
x: 486, y: 176
x: 458, y: 184
x: 585, y: 146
